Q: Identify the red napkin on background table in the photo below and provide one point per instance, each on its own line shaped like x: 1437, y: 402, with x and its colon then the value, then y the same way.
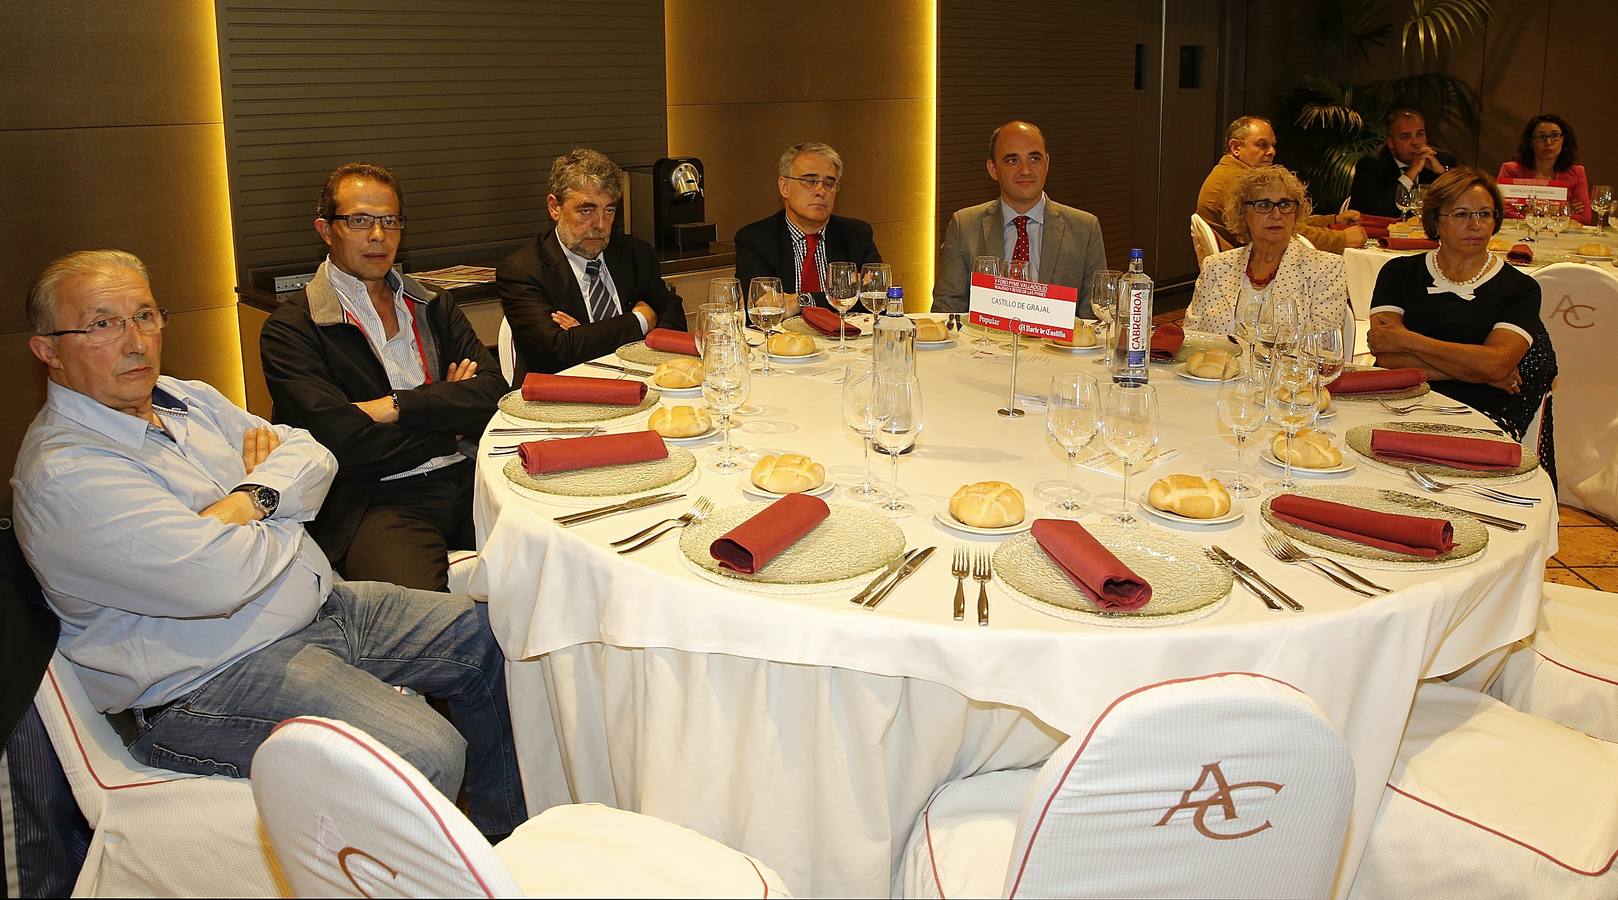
x: 1101, y: 577
x: 1399, y: 243
x: 1521, y: 254
x: 1367, y: 221
x: 751, y: 545
x: 565, y: 454
x: 1372, y: 229
x: 582, y: 389
x: 670, y: 341
x: 825, y: 321
x: 1166, y: 341
x: 1377, y: 380
x: 1415, y: 535
x: 1446, y: 450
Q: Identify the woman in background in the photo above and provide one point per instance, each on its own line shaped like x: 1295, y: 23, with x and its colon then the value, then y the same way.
x: 1549, y: 151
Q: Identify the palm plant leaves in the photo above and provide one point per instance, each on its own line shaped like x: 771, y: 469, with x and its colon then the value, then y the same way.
x: 1433, y: 23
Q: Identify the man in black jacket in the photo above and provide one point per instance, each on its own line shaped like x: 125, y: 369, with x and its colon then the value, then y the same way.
x: 796, y: 243
x: 1405, y: 159
x: 578, y: 290
x: 389, y: 376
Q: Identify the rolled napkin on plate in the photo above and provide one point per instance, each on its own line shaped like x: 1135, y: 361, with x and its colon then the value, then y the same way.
x: 1372, y: 381
x: 1398, y: 243
x: 1414, y: 535
x: 751, y: 545
x: 582, y: 389
x: 670, y: 341
x: 1166, y: 341
x: 1450, y: 450
x: 1372, y: 230
x: 1104, y: 580
x: 1367, y: 221
x: 1522, y: 254
x: 565, y: 454
x: 825, y: 321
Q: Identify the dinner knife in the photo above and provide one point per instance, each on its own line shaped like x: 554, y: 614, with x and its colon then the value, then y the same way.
x: 593, y: 514
x: 859, y: 599
x: 1485, y: 518
x: 905, y: 572
x: 1245, y: 569
x: 624, y: 369
x: 1246, y: 582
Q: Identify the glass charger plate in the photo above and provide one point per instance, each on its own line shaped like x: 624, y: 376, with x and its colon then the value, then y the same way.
x: 605, y: 481
x: 1186, y: 585
x: 638, y: 352
x: 1195, y: 342
x: 525, y: 412
x: 1359, y: 440
x: 1471, y: 538
x: 796, y: 325
x: 844, y: 550
x: 1409, y: 393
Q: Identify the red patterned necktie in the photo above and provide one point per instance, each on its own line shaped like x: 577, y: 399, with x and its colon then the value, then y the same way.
x: 1019, y: 253
x: 809, y: 278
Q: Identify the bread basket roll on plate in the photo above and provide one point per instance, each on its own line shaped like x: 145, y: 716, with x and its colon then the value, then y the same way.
x: 790, y: 344
x: 1310, y: 450
x: 788, y: 473
x: 1084, y: 335
x: 678, y: 373
x: 1594, y: 249
x: 1190, y: 496
x: 987, y: 504
x: 1322, y: 397
x: 931, y: 330
x: 680, y: 421
x: 1499, y: 245
x: 1219, y: 364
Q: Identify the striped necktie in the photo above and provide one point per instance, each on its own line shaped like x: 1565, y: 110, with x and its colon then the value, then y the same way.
x: 600, y: 300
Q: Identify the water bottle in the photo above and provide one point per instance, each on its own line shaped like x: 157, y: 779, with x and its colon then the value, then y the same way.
x: 1132, y: 347
x: 895, y: 350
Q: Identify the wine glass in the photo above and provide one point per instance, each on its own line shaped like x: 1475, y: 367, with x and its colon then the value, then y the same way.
x: 1105, y: 286
x: 1276, y: 328
x: 1557, y: 219
x: 1129, y: 424
x: 896, y: 420
x: 875, y: 279
x: 859, y: 383
x: 1291, y: 402
x: 1601, y: 203
x: 1404, y: 197
x: 1019, y: 270
x: 842, y: 292
x: 986, y: 265
x: 1241, y: 407
x: 725, y: 383
x: 725, y: 290
x: 1534, y: 216
x: 1071, y: 417
x: 766, y: 306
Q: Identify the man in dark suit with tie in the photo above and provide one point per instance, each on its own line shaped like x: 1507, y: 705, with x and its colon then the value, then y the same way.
x: 796, y: 244
x: 577, y: 290
x: 1405, y: 159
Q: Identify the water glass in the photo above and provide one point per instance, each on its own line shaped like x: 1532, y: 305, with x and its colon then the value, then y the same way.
x: 1291, y: 402
x: 1129, y: 424
x: 1601, y: 203
x: 1072, y: 415
x: 1241, y: 407
x: 875, y: 279
x: 859, y: 384
x: 896, y: 420
x: 842, y: 292
x: 1105, y: 287
x: 1019, y: 270
x: 725, y: 383
x: 1404, y: 197
x: 766, y: 306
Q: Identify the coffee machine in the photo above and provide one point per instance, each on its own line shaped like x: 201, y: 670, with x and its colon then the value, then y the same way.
x: 666, y: 204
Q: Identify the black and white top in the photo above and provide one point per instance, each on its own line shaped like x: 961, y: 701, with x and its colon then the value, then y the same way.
x: 1314, y: 277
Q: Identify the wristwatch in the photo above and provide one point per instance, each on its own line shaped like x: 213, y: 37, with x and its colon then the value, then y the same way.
x: 265, y: 499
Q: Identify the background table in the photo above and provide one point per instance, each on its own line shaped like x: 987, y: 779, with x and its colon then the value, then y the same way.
x: 810, y: 733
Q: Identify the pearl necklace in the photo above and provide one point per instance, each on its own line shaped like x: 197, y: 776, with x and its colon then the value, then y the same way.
x: 1475, y: 275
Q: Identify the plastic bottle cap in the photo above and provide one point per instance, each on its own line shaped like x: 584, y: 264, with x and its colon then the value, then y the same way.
x: 896, y: 291
x: 1137, y: 253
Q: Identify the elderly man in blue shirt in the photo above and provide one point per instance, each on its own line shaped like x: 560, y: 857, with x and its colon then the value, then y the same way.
x: 166, y: 527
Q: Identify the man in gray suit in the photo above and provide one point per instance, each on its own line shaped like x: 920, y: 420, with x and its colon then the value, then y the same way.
x: 1061, y: 244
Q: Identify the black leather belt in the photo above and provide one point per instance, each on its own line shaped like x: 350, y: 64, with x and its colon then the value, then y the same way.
x: 129, y: 726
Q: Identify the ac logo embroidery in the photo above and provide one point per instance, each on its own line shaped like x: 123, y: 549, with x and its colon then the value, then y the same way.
x: 1569, y: 312
x: 1221, y: 799
x: 342, y: 863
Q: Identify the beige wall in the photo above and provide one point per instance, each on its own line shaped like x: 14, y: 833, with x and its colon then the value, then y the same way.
x: 111, y: 136
x: 747, y: 80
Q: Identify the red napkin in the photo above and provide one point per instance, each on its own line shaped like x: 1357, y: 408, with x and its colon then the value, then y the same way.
x: 1415, y: 535
x: 1105, y: 581
x: 1521, y: 254
x: 751, y: 545
x: 1376, y: 380
x: 1369, y: 221
x: 580, y: 389
x: 670, y: 341
x: 825, y: 321
x: 1166, y: 341
x: 1447, y: 450
x: 1399, y: 243
x: 564, y: 454
x: 1371, y: 231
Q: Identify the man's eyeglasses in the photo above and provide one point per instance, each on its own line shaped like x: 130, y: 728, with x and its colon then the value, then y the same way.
x: 365, y: 221
x: 1265, y: 207
x: 813, y: 181
x: 1549, y: 137
x: 1462, y: 216
x: 111, y: 328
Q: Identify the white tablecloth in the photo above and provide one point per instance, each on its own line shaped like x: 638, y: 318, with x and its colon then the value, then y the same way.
x: 810, y: 733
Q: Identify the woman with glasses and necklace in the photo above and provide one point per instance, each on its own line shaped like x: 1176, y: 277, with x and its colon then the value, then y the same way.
x: 1549, y: 152
x: 1263, y: 212
x: 1463, y: 315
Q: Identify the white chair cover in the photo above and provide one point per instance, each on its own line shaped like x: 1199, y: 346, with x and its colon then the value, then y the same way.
x: 507, y: 351
x: 1203, y: 242
x: 1485, y: 801
x: 349, y: 817
x: 462, y: 563
x: 1579, y: 305
x: 1567, y: 671
x: 157, y: 833
x: 1188, y: 788
x: 1306, y: 242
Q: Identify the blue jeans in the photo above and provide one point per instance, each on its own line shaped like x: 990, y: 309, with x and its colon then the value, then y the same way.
x: 367, y: 637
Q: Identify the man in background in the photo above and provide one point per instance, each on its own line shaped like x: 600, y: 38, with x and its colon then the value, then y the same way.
x: 1406, y: 159
x: 1249, y: 144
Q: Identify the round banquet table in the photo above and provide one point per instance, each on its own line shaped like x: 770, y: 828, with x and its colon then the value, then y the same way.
x: 810, y: 733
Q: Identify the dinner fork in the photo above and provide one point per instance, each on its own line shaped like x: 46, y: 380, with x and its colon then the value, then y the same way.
x: 1450, y: 410
x: 698, y: 511
x: 982, y: 568
x: 1289, y: 553
x: 1433, y: 486
x: 961, y: 567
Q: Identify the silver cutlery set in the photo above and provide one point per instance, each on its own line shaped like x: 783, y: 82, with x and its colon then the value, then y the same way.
x: 541, y: 433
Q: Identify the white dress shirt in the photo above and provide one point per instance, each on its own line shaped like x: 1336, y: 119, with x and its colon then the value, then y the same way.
x: 578, y: 263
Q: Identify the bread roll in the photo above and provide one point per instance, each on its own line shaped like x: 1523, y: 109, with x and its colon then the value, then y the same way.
x: 1310, y: 450
x: 1499, y: 244
x: 678, y: 373
x: 790, y: 344
x: 1594, y: 249
x: 1322, y: 397
x: 680, y: 421
x: 1190, y: 496
x: 1084, y: 335
x: 1219, y: 364
x: 789, y: 473
x: 987, y: 504
x: 931, y: 330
